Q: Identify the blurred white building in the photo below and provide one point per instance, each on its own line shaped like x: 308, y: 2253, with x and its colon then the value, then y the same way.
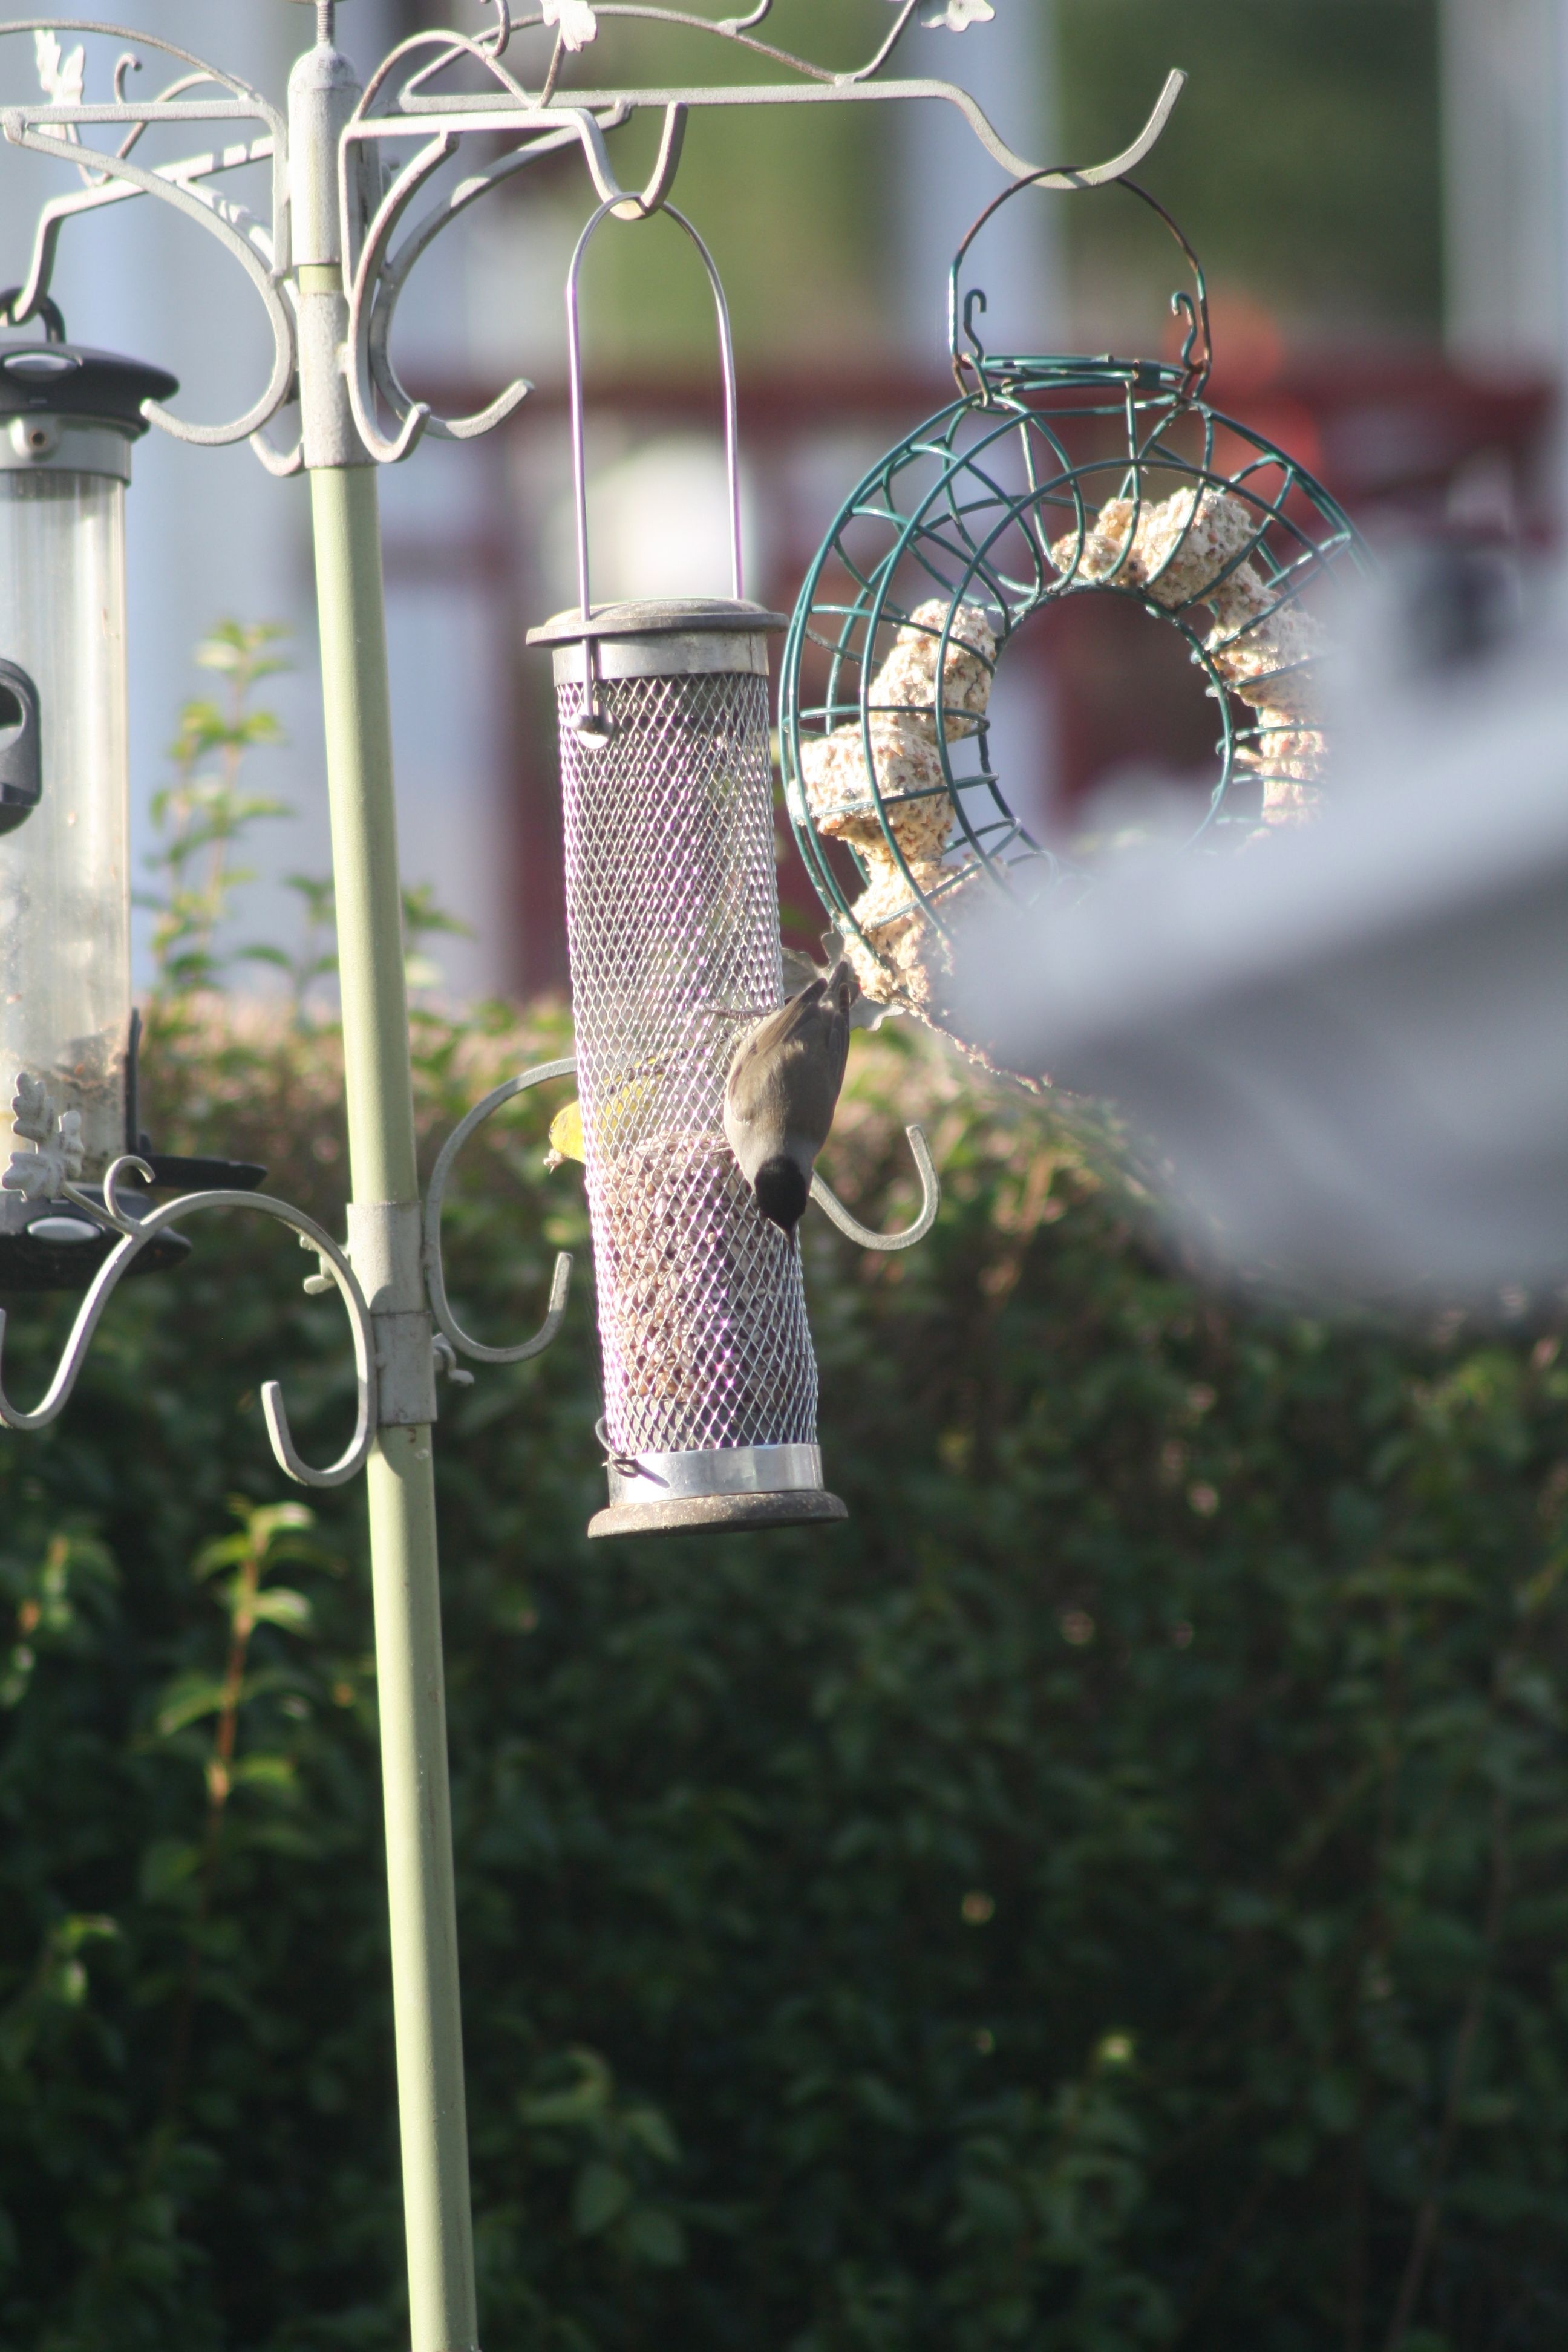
x: 1504, y: 159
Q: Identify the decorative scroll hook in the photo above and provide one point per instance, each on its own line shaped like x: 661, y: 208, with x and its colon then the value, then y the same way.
x: 138, y: 1232
x: 434, y: 1273
x: 930, y: 1202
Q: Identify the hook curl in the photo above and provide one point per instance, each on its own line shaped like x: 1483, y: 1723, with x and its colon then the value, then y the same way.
x: 111, y: 178
x: 136, y: 1232
x: 434, y: 1200
x: 930, y: 1202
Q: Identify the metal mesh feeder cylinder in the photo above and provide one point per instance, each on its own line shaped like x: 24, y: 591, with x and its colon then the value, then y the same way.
x: 673, y: 927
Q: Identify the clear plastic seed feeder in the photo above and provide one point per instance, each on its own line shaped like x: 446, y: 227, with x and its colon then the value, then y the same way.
x: 67, y: 1034
x: 67, y: 420
x: 673, y: 925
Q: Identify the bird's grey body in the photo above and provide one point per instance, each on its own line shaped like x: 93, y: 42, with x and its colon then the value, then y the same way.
x: 782, y: 1091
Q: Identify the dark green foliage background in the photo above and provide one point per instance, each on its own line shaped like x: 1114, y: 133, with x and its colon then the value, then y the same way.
x: 1304, y: 159
x: 1254, y: 2014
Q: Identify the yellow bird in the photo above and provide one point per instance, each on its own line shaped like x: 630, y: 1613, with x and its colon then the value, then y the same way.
x: 566, y: 1137
x: 621, y: 1119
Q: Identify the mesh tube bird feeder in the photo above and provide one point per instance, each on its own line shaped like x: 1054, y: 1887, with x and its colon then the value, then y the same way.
x: 673, y: 928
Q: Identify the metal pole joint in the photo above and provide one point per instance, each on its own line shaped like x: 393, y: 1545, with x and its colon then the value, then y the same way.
x: 385, y: 1249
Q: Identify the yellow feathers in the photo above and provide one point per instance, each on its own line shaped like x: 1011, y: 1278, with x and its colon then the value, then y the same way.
x: 622, y: 1120
x: 566, y: 1137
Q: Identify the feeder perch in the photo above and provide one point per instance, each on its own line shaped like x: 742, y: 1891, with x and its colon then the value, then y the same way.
x: 673, y: 927
x: 1048, y: 477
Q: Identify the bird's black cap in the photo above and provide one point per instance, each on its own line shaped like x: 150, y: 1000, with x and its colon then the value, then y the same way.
x: 782, y: 1193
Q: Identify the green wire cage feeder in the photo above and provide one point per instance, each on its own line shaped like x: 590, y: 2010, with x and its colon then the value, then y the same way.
x: 1048, y: 477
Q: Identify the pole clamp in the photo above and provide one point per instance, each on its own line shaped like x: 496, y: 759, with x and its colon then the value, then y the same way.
x: 384, y: 1238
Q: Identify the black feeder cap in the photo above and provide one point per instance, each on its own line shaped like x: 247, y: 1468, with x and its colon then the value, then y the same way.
x: 52, y: 379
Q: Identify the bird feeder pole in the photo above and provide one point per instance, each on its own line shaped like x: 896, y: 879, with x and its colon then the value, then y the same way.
x: 384, y: 1234
x: 329, y: 266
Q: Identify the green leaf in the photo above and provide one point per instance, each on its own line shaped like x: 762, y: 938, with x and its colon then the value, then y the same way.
x: 651, y: 2130
x: 276, y: 1604
x: 650, y: 2234
x: 261, y: 1770
x: 167, y: 1865
x: 601, y: 2195
x: 187, y: 1700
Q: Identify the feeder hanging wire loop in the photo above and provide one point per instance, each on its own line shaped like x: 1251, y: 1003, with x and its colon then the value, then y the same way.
x: 618, y: 205
x: 590, y: 722
x: 1197, y: 351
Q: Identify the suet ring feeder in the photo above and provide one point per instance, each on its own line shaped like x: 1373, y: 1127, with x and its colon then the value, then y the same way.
x: 1049, y: 477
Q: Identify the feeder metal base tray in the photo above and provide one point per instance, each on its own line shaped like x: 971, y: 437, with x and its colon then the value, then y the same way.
x: 677, y: 1515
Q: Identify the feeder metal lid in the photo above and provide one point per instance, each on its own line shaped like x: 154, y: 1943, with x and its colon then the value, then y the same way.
x: 657, y: 617
x: 65, y: 380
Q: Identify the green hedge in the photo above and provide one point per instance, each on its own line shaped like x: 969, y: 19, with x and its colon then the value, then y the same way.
x: 1112, y: 1894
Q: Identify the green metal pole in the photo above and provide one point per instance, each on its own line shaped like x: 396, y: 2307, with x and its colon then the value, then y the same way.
x: 401, y: 1472
x: 383, y: 1238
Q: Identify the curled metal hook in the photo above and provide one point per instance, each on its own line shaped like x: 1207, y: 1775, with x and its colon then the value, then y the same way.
x: 108, y: 1210
x: 42, y: 306
x: 1195, y: 371
x: 112, y: 178
x: 627, y: 1464
x: 136, y: 1232
x: 434, y: 1200
x: 380, y: 275
x: 500, y: 39
x: 930, y: 1202
x: 280, y: 463
x: 1058, y: 179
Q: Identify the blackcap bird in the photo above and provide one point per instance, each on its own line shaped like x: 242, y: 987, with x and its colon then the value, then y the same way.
x: 782, y: 1091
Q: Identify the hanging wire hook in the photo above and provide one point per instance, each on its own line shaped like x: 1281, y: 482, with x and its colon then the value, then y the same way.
x: 974, y: 300
x: 930, y: 1202
x: 627, y: 1464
